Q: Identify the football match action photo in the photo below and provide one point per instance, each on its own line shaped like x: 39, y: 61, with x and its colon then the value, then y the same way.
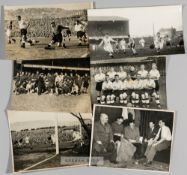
x: 43, y: 140
x: 47, y: 31
x: 135, y: 32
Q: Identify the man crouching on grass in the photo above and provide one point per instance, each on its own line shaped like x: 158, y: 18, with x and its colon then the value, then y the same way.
x: 57, y: 36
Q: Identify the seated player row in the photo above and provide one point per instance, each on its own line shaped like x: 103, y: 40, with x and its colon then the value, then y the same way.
x: 58, y: 83
x: 127, y: 89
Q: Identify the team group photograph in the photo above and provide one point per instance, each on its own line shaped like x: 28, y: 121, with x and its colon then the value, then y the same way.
x: 141, y: 83
x: 37, y: 82
x: 46, y: 32
x: 135, y: 32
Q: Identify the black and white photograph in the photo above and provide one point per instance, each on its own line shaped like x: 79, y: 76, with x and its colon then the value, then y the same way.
x: 43, y: 140
x: 132, y: 138
x: 33, y: 137
x: 46, y: 31
x: 135, y: 32
x: 74, y: 133
x: 51, y: 85
x: 133, y: 82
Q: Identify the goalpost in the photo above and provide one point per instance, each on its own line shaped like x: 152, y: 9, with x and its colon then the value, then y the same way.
x: 56, y: 147
x: 56, y: 138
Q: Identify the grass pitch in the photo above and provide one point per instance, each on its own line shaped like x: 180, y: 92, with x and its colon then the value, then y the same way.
x: 38, y: 51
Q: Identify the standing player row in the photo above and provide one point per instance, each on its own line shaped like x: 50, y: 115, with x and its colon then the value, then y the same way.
x: 128, y: 88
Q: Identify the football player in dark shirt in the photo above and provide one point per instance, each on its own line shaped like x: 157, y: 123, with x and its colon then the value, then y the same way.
x: 57, y: 36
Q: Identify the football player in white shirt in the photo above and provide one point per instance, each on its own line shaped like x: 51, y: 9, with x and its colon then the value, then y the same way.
x: 107, y: 44
x: 122, y: 45
x: 137, y: 92
x: 106, y: 90
x: 129, y: 83
x: 122, y: 74
x: 125, y: 85
x: 27, y: 140
x: 9, y: 33
x: 142, y: 72
x: 99, y: 78
x: 142, y: 42
x: 23, y: 25
x: 117, y: 87
x: 111, y: 74
x: 155, y: 75
x: 80, y: 29
x: 149, y: 86
x: 158, y: 42
x: 58, y: 83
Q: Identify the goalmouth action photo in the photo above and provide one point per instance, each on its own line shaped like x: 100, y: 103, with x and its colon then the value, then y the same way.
x: 43, y: 140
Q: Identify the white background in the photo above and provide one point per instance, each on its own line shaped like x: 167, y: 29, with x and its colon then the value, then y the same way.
x: 176, y: 92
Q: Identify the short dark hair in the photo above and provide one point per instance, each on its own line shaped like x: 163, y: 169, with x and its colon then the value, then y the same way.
x: 131, y: 121
x: 120, y: 117
x: 162, y: 120
x: 151, y: 121
x: 130, y: 115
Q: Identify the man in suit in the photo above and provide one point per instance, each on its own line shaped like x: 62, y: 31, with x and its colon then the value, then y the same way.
x: 150, y: 136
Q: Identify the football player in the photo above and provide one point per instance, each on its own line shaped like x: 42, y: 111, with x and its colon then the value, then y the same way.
x: 142, y: 42
x: 137, y: 92
x: 149, y: 86
x: 106, y: 91
x: 107, y: 44
x: 122, y: 74
x: 132, y: 45
x: 122, y: 45
x: 81, y: 34
x: 99, y: 78
x: 158, y: 42
x: 112, y: 74
x: 57, y: 36
x: 155, y: 75
x: 117, y: 87
x: 142, y: 72
x: 23, y: 26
